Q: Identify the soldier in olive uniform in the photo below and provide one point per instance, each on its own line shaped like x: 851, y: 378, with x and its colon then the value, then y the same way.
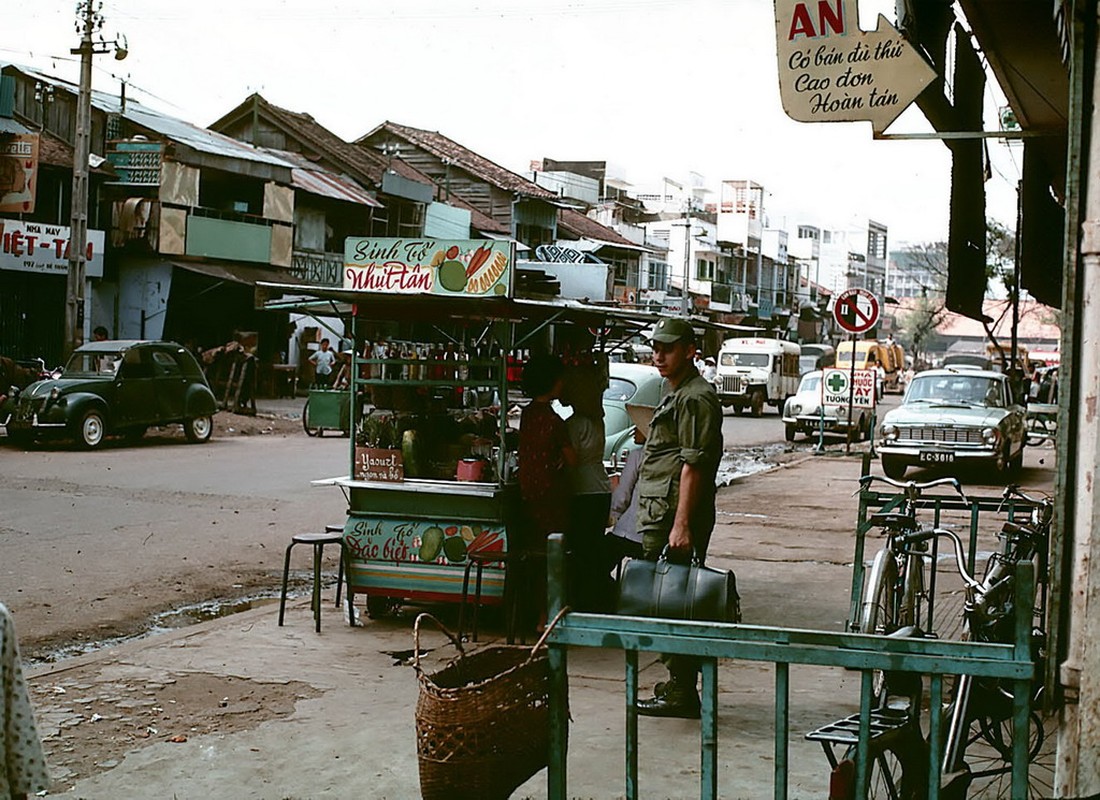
x: 676, y: 487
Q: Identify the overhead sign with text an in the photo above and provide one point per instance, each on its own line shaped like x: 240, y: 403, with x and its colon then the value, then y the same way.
x: 831, y: 71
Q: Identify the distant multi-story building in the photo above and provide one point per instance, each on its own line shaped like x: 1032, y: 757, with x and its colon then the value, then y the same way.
x: 909, y: 274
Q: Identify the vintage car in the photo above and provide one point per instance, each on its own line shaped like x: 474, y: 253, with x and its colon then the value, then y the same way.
x: 117, y: 387
x: 802, y: 413
x: 954, y: 417
x: 637, y: 384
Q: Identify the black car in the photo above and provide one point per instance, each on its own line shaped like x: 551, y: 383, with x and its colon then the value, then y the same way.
x: 117, y: 387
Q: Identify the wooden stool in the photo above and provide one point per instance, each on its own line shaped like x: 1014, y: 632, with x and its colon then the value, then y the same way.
x: 318, y: 540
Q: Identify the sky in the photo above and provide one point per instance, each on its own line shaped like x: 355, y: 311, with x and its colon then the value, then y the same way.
x: 658, y: 88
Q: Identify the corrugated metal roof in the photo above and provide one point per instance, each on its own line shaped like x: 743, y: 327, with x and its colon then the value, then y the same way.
x: 186, y: 133
x: 327, y: 184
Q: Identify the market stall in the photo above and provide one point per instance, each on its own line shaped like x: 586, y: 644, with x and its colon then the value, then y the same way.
x: 439, y: 345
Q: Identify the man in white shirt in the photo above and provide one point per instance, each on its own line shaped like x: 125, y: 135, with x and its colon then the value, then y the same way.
x: 323, y: 361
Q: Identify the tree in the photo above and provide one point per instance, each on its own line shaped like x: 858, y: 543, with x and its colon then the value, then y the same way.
x: 926, y: 264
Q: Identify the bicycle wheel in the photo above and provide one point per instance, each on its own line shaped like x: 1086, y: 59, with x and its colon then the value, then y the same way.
x: 311, y: 430
x: 896, y: 772
x: 878, y: 613
x: 988, y: 752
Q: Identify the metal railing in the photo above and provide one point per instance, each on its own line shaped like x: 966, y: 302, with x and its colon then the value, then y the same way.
x: 783, y: 647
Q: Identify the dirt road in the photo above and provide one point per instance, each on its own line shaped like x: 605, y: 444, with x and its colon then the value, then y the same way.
x: 93, y: 544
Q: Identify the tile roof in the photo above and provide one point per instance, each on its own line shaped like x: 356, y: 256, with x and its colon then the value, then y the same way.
x: 583, y: 227
x: 480, y: 167
x: 363, y: 164
x: 1037, y: 321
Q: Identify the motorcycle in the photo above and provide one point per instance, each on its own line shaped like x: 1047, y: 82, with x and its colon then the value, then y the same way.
x: 17, y: 374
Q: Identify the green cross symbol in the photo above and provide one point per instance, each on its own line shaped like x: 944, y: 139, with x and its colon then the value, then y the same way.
x: 837, y: 382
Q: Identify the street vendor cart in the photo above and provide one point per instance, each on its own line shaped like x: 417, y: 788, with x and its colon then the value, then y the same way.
x: 439, y: 344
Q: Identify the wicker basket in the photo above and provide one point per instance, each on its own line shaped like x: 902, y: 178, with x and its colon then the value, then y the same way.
x: 482, y: 721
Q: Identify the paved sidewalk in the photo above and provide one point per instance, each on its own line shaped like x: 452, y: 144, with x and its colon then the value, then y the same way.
x: 296, y: 714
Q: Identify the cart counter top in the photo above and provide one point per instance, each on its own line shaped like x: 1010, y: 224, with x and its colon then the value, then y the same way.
x: 458, y: 488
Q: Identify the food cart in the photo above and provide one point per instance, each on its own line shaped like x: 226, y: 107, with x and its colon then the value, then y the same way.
x: 439, y: 344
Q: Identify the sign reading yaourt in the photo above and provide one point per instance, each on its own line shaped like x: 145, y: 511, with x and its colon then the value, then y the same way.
x: 831, y: 71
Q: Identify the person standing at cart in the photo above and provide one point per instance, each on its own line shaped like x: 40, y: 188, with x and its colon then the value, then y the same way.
x: 323, y: 361
x: 545, y: 454
x: 676, y: 488
x: 591, y: 588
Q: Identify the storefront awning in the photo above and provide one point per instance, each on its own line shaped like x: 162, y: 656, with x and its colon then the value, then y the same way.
x: 235, y: 273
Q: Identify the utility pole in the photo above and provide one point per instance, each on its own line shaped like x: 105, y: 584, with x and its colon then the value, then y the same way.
x: 89, y: 22
x: 686, y: 300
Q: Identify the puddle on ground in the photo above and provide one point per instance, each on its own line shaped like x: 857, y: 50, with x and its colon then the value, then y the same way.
x: 164, y: 622
x: 208, y: 610
x: 747, y: 461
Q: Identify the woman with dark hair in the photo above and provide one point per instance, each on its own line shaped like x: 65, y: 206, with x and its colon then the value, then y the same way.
x: 544, y: 452
x: 544, y: 456
x: 591, y: 587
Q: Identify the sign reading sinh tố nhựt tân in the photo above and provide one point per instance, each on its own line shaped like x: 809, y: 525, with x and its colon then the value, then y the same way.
x: 458, y: 268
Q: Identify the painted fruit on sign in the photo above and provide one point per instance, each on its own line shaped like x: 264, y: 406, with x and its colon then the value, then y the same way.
x: 452, y: 276
x: 454, y: 547
x: 431, y: 544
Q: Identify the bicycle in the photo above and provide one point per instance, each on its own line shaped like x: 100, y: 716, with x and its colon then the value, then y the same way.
x: 977, y: 757
x: 977, y: 736
x: 894, y: 602
x: 895, y: 594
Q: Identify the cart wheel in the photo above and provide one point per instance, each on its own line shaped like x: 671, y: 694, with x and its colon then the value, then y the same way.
x: 378, y: 606
x: 310, y: 430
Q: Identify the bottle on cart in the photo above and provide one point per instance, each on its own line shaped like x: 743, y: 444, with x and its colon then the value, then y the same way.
x: 406, y: 369
x: 450, y: 357
x: 435, y: 371
x: 414, y: 367
x: 463, y: 363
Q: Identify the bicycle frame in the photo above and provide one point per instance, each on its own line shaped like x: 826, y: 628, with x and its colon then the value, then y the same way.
x: 987, y: 610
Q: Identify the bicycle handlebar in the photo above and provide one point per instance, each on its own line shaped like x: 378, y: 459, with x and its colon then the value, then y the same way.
x: 956, y: 545
x: 1014, y: 490
x: 913, y: 488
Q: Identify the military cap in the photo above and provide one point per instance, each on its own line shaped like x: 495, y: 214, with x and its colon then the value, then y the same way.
x: 673, y: 329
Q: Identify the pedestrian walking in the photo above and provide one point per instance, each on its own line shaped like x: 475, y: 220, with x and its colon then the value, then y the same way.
x: 676, y: 488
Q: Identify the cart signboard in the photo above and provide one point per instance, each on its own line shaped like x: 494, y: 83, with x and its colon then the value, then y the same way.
x: 836, y: 387
x: 455, y: 268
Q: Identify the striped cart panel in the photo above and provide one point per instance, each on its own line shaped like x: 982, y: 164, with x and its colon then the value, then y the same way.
x: 426, y: 582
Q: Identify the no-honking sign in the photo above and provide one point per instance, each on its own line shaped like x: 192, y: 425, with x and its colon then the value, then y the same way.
x: 856, y: 310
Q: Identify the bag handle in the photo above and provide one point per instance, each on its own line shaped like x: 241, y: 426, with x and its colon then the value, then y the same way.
x: 416, y: 638
x: 694, y: 556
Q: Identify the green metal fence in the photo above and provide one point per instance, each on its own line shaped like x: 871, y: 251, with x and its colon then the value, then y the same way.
x: 783, y: 647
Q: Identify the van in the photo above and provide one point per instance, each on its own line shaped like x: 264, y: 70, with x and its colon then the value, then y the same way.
x: 753, y: 372
x: 816, y: 356
x: 869, y: 353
